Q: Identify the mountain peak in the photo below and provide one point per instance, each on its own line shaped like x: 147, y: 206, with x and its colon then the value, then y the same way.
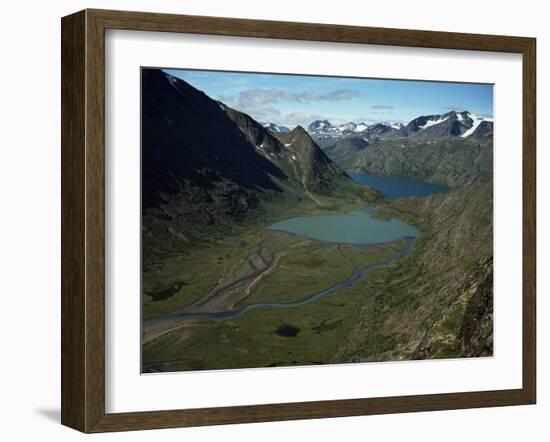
x: 300, y: 133
x: 319, y: 125
x: 299, y: 130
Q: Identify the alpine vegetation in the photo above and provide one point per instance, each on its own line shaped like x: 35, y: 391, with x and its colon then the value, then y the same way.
x: 293, y: 220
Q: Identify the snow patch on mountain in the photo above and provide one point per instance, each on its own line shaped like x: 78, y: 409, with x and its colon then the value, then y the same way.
x: 477, y: 120
x: 431, y: 123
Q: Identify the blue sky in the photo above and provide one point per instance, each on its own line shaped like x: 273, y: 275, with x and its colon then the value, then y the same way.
x: 296, y: 99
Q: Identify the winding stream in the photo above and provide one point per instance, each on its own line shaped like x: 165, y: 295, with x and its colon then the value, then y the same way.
x: 348, y: 282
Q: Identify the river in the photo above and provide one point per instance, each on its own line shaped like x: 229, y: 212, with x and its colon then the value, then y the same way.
x: 359, y: 227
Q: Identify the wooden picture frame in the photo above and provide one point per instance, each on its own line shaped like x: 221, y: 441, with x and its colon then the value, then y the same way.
x: 83, y: 220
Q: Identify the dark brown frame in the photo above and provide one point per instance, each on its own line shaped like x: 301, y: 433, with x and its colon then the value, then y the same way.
x: 83, y: 216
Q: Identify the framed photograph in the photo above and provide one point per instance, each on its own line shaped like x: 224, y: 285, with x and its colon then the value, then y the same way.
x: 269, y: 220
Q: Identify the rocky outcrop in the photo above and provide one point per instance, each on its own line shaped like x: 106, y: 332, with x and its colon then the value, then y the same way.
x: 475, y: 337
x: 465, y: 328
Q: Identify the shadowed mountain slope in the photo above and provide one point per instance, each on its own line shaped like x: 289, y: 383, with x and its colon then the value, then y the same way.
x: 187, y: 137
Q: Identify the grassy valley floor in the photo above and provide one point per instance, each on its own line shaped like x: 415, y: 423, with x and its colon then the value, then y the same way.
x: 423, y: 306
x: 308, y: 334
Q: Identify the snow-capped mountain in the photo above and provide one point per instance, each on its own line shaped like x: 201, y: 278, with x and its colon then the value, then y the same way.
x: 276, y: 128
x: 458, y: 124
x: 325, y: 129
x: 319, y: 126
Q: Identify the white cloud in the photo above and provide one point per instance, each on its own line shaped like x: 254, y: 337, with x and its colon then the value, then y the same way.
x: 300, y: 118
x: 260, y: 103
x: 255, y: 97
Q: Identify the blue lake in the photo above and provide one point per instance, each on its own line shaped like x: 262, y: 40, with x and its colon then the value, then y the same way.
x: 397, y: 187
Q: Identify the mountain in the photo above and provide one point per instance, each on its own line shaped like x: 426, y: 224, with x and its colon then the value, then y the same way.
x: 451, y: 124
x: 190, y: 139
x: 275, y: 128
x: 318, y: 172
x: 208, y: 169
x: 184, y: 133
x: 295, y: 152
x: 318, y: 126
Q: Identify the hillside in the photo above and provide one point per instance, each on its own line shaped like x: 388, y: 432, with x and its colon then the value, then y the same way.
x: 450, y: 161
x: 436, y: 303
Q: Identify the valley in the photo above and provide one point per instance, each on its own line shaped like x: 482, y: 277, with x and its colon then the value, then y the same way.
x: 264, y: 246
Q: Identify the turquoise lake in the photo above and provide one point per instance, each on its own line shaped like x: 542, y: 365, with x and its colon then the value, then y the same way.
x: 361, y: 226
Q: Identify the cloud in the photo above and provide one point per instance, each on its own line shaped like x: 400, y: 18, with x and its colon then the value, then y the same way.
x: 338, y: 95
x: 260, y: 113
x: 261, y: 103
x: 304, y: 119
x: 257, y: 97
x: 300, y: 118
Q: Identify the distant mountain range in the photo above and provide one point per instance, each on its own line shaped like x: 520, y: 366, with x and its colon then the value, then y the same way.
x: 325, y: 129
x: 451, y: 124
